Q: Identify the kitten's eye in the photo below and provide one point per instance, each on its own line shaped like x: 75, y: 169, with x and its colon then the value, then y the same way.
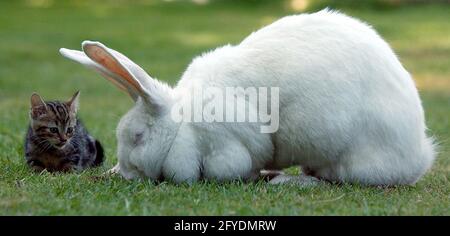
x: 69, y: 130
x: 54, y: 130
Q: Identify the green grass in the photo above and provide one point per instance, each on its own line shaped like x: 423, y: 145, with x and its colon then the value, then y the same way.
x: 163, y: 38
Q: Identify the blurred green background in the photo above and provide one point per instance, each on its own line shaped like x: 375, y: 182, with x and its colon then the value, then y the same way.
x: 163, y: 37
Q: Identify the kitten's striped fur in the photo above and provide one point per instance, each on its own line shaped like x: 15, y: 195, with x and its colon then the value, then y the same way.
x: 57, y: 140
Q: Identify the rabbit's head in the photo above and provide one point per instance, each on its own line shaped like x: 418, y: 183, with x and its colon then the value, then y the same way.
x: 146, y: 132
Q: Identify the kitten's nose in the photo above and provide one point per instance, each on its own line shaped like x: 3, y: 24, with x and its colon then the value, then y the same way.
x: 63, y: 139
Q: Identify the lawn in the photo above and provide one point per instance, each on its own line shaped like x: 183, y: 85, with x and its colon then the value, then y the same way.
x: 163, y: 37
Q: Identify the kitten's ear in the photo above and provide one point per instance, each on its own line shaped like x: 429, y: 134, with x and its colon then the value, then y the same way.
x: 38, y: 106
x: 73, y: 103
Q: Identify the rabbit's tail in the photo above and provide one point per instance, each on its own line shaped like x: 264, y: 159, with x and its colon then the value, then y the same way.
x: 429, y: 152
x: 425, y: 158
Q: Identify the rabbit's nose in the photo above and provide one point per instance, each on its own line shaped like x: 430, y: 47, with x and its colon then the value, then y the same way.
x: 160, y: 179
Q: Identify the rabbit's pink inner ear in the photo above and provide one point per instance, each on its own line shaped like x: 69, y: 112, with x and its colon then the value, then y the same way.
x: 103, y: 58
x: 119, y: 85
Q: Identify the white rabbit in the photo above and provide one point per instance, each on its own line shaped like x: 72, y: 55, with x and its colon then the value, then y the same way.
x: 349, y: 111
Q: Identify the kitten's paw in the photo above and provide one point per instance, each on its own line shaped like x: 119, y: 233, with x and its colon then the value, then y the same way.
x: 301, y: 180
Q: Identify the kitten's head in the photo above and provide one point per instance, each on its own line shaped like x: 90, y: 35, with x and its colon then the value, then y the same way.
x: 54, y: 121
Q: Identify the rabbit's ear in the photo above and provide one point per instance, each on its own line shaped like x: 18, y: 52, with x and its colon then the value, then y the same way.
x: 157, y: 94
x: 80, y: 57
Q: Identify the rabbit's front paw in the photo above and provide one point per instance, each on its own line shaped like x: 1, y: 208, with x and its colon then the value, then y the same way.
x: 301, y: 180
x: 269, y: 175
x: 113, y: 171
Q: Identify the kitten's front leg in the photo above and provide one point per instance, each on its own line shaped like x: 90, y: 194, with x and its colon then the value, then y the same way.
x: 72, y: 162
x: 35, y: 166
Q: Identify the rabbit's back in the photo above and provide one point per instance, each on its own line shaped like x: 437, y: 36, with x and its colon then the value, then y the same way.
x: 321, y: 51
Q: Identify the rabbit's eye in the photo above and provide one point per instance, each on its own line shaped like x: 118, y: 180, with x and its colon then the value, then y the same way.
x: 138, y: 138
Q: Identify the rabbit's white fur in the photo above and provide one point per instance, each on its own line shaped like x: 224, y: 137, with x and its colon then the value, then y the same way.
x: 349, y: 111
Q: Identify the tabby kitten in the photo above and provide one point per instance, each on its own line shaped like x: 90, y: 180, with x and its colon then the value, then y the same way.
x: 57, y: 140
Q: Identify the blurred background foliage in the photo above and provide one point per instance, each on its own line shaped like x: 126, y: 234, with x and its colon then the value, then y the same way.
x: 295, y: 5
x: 363, y: 4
